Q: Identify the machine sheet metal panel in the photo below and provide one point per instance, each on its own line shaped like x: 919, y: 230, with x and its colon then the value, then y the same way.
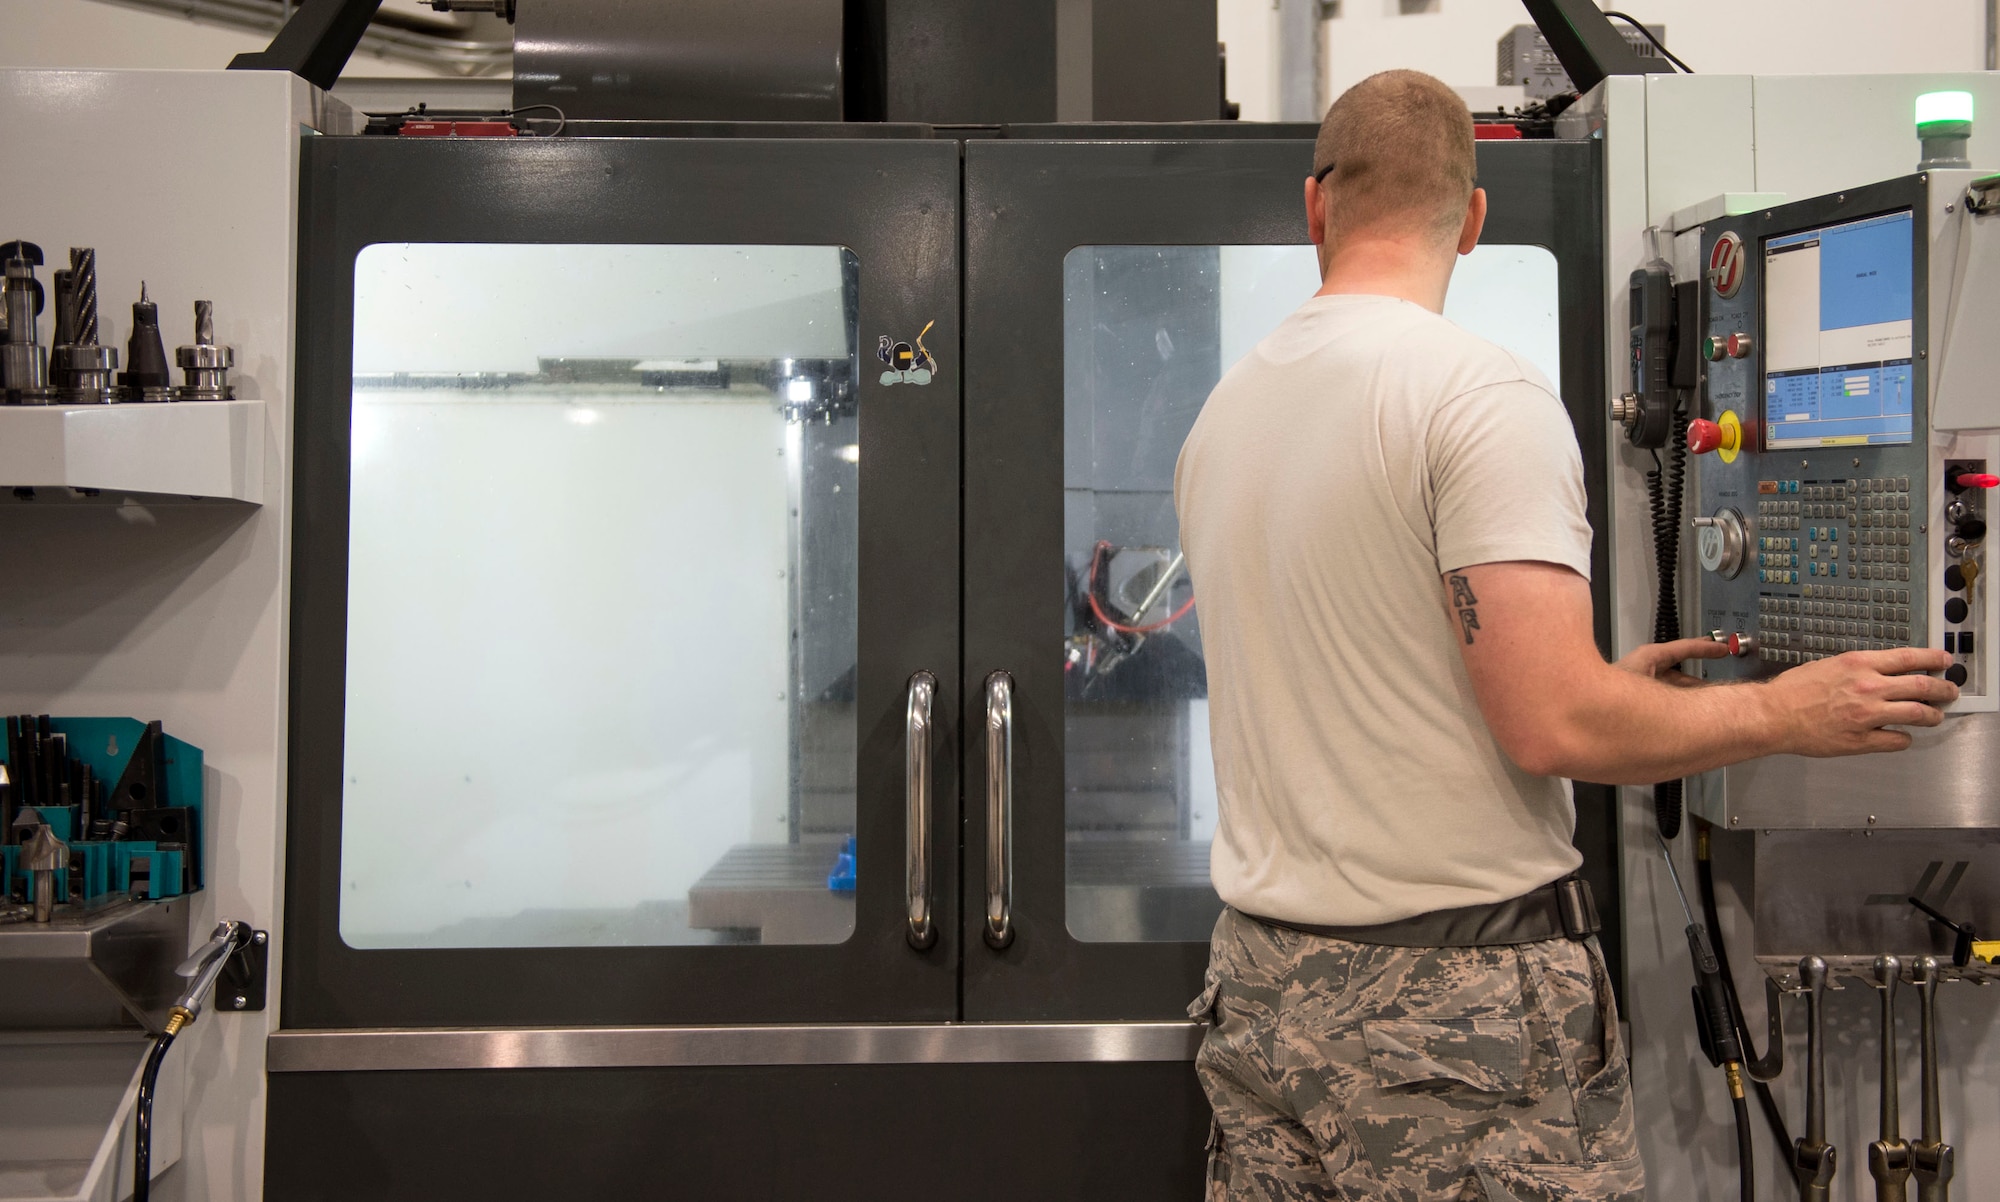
x: 1969, y: 241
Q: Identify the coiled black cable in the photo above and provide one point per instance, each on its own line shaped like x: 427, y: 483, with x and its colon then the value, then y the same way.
x: 1665, y: 490
x: 142, y: 1122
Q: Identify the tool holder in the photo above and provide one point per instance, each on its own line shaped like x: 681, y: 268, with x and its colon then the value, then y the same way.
x: 1846, y: 971
x: 146, y: 840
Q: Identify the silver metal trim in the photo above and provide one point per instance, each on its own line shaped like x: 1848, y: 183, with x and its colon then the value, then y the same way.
x: 442, y: 1049
x: 917, y: 732
x: 999, y: 810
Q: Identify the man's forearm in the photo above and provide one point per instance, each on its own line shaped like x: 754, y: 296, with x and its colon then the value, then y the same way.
x: 1618, y: 728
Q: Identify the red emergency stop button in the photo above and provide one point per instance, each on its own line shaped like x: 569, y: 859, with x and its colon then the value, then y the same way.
x: 1979, y: 480
x: 1725, y: 435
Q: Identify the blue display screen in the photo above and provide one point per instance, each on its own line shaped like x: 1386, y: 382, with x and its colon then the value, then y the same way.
x: 1838, y: 329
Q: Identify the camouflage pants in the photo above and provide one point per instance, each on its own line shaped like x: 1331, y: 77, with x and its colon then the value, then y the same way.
x: 1368, y: 1074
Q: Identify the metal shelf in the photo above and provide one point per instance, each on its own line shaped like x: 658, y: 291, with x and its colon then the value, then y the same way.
x: 197, y: 449
x: 94, y: 968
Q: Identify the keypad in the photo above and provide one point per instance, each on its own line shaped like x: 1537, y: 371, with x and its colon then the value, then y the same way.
x: 1811, y: 534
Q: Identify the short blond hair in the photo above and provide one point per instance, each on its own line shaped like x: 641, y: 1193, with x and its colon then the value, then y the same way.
x: 1400, y: 147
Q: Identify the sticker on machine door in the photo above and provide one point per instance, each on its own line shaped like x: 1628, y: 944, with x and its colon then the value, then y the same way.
x: 907, y: 364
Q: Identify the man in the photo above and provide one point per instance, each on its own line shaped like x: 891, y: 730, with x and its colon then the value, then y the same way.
x: 1384, y: 518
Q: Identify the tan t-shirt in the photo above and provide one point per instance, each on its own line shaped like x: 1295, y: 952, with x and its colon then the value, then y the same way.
x: 1364, y: 449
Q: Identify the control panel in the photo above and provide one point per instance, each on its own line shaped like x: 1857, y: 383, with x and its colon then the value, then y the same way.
x: 1829, y: 515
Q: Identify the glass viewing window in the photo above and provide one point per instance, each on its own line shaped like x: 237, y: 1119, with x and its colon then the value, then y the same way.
x: 601, y: 596
x: 1148, y: 331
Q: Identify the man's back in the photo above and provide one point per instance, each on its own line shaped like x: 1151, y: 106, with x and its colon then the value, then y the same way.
x: 1365, y: 448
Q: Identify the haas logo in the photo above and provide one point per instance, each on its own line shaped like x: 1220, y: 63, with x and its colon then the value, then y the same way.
x: 1725, y: 265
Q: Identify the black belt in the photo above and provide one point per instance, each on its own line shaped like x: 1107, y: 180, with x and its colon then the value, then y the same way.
x: 1564, y: 909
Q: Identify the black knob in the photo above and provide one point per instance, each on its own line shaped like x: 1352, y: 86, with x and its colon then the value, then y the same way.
x: 1954, y: 579
x: 1956, y: 609
x: 1956, y: 674
x: 1971, y: 529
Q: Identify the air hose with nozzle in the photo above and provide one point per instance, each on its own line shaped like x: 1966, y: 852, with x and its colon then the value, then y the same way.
x: 201, y: 969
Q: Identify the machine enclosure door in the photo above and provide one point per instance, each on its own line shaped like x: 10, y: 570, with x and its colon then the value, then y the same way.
x: 1108, y: 284
x: 873, y: 450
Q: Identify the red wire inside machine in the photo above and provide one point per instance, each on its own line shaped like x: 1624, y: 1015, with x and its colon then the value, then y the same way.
x: 1097, y: 607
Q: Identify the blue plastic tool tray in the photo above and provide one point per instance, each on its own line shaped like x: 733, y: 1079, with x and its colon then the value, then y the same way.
x: 111, y: 866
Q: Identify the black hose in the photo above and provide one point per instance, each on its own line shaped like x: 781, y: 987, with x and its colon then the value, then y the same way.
x: 142, y: 1123
x: 1711, y: 913
x: 1746, y: 1165
x: 1665, y: 491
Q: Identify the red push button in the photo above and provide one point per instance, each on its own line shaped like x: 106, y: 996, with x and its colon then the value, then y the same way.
x: 1704, y: 436
x: 1742, y: 644
x: 1738, y: 345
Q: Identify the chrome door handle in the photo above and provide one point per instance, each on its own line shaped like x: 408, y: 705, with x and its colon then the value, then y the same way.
x: 999, y: 809
x: 917, y: 778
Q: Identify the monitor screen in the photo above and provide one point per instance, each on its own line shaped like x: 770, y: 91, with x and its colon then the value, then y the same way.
x: 1837, y: 334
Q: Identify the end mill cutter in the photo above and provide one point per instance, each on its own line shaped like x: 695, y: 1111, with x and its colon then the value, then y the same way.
x: 1812, y: 1157
x: 1931, y: 1159
x: 83, y: 368
x: 204, y: 364
x: 1889, y: 1156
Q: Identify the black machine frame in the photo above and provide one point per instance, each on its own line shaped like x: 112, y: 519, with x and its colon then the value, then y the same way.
x: 894, y: 203
x: 960, y: 571
x: 1027, y: 205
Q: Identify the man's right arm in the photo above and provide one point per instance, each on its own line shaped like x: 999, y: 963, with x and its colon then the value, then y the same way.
x: 1558, y: 709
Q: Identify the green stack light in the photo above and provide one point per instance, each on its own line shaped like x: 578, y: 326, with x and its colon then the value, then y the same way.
x: 1944, y: 126
x: 1938, y: 111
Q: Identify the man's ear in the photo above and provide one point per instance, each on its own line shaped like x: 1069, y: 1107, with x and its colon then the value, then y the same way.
x: 1475, y: 221
x: 1315, y: 213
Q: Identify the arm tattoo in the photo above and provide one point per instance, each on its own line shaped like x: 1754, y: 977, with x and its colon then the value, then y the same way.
x: 1468, y: 620
x: 1466, y: 604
